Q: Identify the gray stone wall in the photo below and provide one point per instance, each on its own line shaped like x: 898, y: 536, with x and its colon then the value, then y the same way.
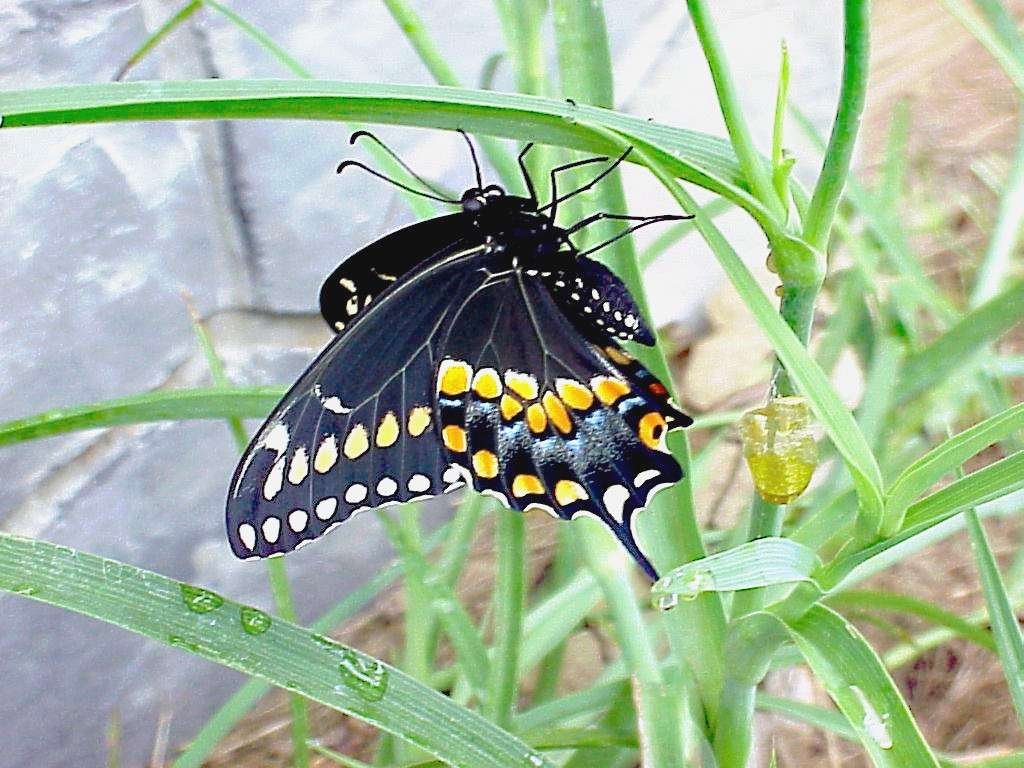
x: 105, y: 225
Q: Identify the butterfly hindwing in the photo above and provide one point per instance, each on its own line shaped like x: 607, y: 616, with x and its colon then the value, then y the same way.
x: 596, y: 300
x: 357, y: 430
x: 538, y: 415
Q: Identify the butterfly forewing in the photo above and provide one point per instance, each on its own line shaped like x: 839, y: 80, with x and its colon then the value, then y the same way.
x: 357, y: 430
x: 369, y: 272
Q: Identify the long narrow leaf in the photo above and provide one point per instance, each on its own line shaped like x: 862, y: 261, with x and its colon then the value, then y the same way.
x: 854, y: 677
x: 161, y: 405
x: 760, y: 563
x: 694, y: 156
x: 1009, y: 643
x: 950, y: 454
x: 248, y: 640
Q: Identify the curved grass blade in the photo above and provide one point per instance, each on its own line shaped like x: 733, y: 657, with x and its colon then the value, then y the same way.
x: 854, y: 677
x: 696, y: 157
x: 248, y: 640
x: 950, y: 454
x: 763, y: 562
x: 176, y: 20
x: 162, y: 405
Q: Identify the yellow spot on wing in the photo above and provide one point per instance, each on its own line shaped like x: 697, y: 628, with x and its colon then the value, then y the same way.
x: 557, y: 413
x: 387, y: 432
x: 454, y: 438
x: 574, y: 394
x: 526, y: 485
x: 485, y: 464
x: 486, y: 383
x: 618, y: 356
x: 357, y: 442
x: 536, y: 419
x: 299, y: 467
x: 326, y: 454
x: 609, y: 390
x: 523, y: 384
x: 453, y: 377
x: 419, y: 420
x: 510, y: 407
x: 568, y: 491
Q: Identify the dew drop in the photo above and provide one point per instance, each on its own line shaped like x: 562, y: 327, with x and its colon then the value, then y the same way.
x: 874, y: 724
x: 667, y: 602
x: 364, y: 675
x: 200, y: 600
x: 254, y: 621
x: 180, y: 642
x: 535, y: 759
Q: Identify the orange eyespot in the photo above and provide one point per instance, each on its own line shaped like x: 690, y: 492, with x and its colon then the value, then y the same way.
x: 652, y: 430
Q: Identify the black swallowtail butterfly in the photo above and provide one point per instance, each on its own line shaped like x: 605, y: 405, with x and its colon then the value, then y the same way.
x: 479, y: 348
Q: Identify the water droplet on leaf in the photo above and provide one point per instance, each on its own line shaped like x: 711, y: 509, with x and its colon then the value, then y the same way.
x: 200, y: 600
x: 364, y: 675
x: 254, y: 621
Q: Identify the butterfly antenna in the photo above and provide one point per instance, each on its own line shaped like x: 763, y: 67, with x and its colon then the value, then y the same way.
x: 356, y: 164
x: 590, y: 184
x: 360, y: 134
x: 631, y: 230
x: 526, y: 174
x: 476, y: 163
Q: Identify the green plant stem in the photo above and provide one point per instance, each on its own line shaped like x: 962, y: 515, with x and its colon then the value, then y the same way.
x: 801, y: 272
x: 657, y: 709
x: 419, y: 38
x: 276, y: 573
x: 836, y: 165
x: 728, y: 99
x: 668, y: 527
x: 1006, y: 234
x: 508, y: 604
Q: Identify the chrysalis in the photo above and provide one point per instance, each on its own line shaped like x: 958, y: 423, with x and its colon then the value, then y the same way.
x: 779, y: 448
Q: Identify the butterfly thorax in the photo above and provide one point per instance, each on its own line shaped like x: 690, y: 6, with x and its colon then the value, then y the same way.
x: 513, y: 225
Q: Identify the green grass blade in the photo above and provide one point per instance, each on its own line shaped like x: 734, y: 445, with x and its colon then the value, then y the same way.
x: 1009, y: 643
x: 1002, y: 243
x: 275, y: 567
x: 950, y: 454
x: 471, y: 654
x: 264, y: 40
x: 798, y: 711
x: 760, y: 563
x: 162, y: 405
x: 854, y: 677
x: 879, y: 600
x: 234, y: 709
x: 676, y: 232
x: 957, y: 347
x: 700, y: 158
x: 986, y: 484
x: 278, y: 651
x: 176, y: 20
